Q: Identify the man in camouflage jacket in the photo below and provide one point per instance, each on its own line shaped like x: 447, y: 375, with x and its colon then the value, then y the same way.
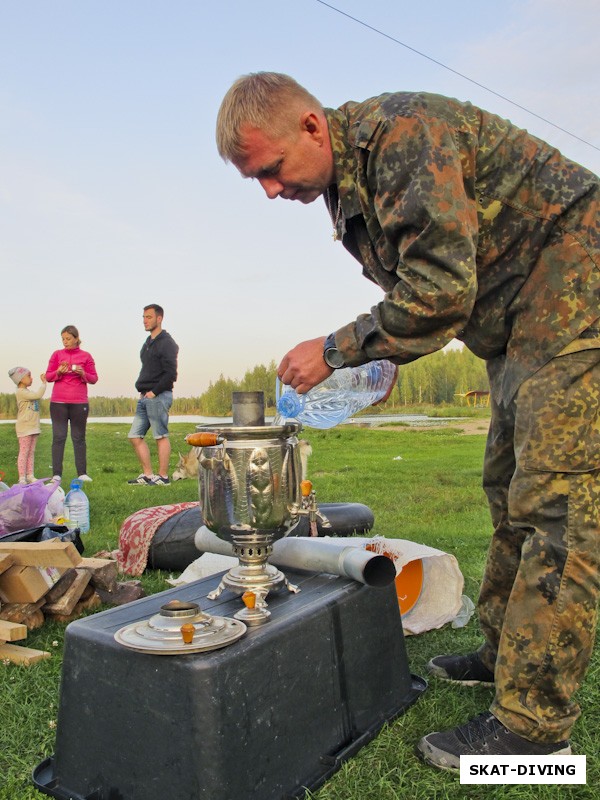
x: 478, y: 231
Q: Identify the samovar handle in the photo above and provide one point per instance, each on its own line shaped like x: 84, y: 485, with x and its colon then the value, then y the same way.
x: 204, y: 439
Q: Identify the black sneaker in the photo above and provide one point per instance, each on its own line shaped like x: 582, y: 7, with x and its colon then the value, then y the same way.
x: 141, y: 480
x: 468, y: 670
x: 160, y: 480
x: 483, y: 735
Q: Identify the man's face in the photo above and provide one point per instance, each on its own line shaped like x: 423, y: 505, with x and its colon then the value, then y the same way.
x: 296, y: 166
x: 151, y: 320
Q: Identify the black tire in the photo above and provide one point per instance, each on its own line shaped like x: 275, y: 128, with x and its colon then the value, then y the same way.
x: 173, y: 547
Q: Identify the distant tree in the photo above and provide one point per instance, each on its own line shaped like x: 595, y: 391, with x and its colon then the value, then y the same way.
x: 439, y: 378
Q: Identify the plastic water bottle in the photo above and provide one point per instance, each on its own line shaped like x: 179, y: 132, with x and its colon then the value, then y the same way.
x: 344, y: 393
x: 77, y: 506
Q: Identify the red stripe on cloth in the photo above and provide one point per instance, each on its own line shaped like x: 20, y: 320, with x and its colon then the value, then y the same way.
x: 137, y: 532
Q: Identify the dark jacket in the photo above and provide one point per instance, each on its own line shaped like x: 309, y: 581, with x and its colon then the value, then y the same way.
x: 159, y: 364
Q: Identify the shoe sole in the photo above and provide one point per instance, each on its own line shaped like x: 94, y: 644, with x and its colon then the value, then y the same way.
x: 426, y: 753
x: 440, y: 672
x: 445, y: 761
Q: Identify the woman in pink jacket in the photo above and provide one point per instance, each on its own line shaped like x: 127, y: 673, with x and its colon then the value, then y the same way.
x: 70, y: 369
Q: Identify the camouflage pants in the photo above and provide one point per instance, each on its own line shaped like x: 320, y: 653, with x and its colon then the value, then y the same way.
x: 539, y: 596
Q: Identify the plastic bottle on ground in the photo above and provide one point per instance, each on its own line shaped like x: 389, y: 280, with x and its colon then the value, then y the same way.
x: 77, y: 506
x: 344, y: 393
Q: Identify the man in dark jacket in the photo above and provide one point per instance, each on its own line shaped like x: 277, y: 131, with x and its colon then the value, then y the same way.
x: 155, y: 385
x: 474, y: 230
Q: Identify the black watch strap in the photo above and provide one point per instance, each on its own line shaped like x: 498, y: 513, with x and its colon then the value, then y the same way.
x: 331, y: 355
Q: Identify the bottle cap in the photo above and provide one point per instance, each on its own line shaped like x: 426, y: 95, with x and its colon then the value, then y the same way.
x: 290, y: 404
x: 76, y: 483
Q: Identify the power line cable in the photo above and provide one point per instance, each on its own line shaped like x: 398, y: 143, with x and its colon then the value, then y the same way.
x: 456, y: 72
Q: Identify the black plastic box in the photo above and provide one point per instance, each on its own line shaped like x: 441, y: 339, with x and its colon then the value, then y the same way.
x: 265, y: 718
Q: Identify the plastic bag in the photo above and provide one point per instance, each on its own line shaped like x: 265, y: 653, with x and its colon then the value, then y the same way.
x: 24, y: 506
x: 55, y: 508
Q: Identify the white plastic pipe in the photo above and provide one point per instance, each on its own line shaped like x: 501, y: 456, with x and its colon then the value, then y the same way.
x: 314, y: 555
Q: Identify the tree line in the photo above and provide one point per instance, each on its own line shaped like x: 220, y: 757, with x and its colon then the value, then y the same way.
x: 441, y: 378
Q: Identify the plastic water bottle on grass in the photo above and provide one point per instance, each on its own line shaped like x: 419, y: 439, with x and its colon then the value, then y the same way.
x: 344, y: 393
x: 77, y: 506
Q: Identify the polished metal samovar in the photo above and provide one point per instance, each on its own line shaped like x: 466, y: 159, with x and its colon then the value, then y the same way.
x: 249, y: 487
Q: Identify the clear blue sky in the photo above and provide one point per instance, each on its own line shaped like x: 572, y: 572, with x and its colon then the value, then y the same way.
x: 112, y: 194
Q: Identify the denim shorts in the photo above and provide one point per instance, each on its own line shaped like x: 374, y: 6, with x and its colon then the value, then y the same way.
x: 152, y: 412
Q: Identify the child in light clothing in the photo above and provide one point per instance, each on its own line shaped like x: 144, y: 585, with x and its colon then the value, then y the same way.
x: 28, y: 420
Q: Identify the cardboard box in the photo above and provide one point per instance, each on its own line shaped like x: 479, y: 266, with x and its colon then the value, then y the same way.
x: 27, y: 584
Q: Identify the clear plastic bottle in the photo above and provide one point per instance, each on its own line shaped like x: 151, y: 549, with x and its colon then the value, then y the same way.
x: 344, y: 393
x: 77, y: 506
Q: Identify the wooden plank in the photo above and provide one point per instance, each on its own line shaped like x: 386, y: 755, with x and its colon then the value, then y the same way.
x: 82, y: 606
x: 21, y: 655
x: 61, y: 586
x: 65, y: 604
x: 12, y: 631
x: 49, y: 553
x: 6, y: 561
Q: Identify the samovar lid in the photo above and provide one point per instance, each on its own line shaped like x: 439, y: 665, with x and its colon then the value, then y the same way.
x: 178, y: 629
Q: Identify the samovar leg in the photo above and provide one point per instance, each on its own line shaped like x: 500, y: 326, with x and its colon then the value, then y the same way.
x: 214, y: 594
x: 255, y: 610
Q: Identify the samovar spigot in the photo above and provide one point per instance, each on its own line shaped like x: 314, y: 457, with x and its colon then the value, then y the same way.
x: 310, y: 508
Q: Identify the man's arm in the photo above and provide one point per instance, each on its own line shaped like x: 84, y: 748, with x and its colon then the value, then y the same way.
x: 168, y: 362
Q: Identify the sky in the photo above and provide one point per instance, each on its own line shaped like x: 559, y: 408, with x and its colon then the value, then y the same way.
x: 113, y: 196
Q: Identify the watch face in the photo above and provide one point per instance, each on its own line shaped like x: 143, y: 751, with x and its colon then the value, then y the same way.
x: 333, y: 358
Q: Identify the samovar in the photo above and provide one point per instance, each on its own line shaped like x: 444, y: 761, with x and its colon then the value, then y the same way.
x: 250, y: 495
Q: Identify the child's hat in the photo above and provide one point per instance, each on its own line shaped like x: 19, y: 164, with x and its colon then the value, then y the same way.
x: 17, y: 374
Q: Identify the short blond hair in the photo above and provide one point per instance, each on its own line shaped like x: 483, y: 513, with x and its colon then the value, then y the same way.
x: 268, y: 101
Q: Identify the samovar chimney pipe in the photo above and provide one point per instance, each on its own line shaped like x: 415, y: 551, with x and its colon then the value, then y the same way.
x: 248, y: 409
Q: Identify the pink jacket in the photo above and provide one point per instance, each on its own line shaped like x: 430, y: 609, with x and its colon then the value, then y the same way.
x: 70, y: 388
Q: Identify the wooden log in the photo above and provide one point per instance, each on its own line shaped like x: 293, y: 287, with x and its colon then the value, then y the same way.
x: 104, y: 572
x: 82, y: 606
x: 28, y: 614
x: 21, y: 655
x: 67, y: 602
x: 125, y: 592
x: 87, y: 592
x: 49, y: 553
x: 12, y: 631
x: 59, y: 588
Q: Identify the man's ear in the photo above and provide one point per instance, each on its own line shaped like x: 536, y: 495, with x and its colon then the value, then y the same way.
x: 311, y: 123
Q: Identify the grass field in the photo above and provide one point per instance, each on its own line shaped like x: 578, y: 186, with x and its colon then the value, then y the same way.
x: 422, y: 485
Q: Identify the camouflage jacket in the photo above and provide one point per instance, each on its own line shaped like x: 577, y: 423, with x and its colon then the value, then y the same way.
x: 473, y: 228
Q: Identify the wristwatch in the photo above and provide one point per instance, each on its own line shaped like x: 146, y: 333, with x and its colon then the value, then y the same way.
x: 331, y: 355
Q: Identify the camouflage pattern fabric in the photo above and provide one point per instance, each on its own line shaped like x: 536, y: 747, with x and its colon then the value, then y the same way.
x: 538, y: 600
x: 473, y: 228
x: 477, y: 230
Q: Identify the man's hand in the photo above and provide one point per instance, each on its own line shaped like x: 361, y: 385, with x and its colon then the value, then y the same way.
x: 303, y: 367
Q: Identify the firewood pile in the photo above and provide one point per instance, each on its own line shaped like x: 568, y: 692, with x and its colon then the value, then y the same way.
x: 50, y: 580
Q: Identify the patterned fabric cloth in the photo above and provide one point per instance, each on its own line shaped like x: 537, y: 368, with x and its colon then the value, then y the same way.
x: 137, y: 532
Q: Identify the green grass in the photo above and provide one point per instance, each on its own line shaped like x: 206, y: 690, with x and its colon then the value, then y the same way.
x: 423, y: 486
